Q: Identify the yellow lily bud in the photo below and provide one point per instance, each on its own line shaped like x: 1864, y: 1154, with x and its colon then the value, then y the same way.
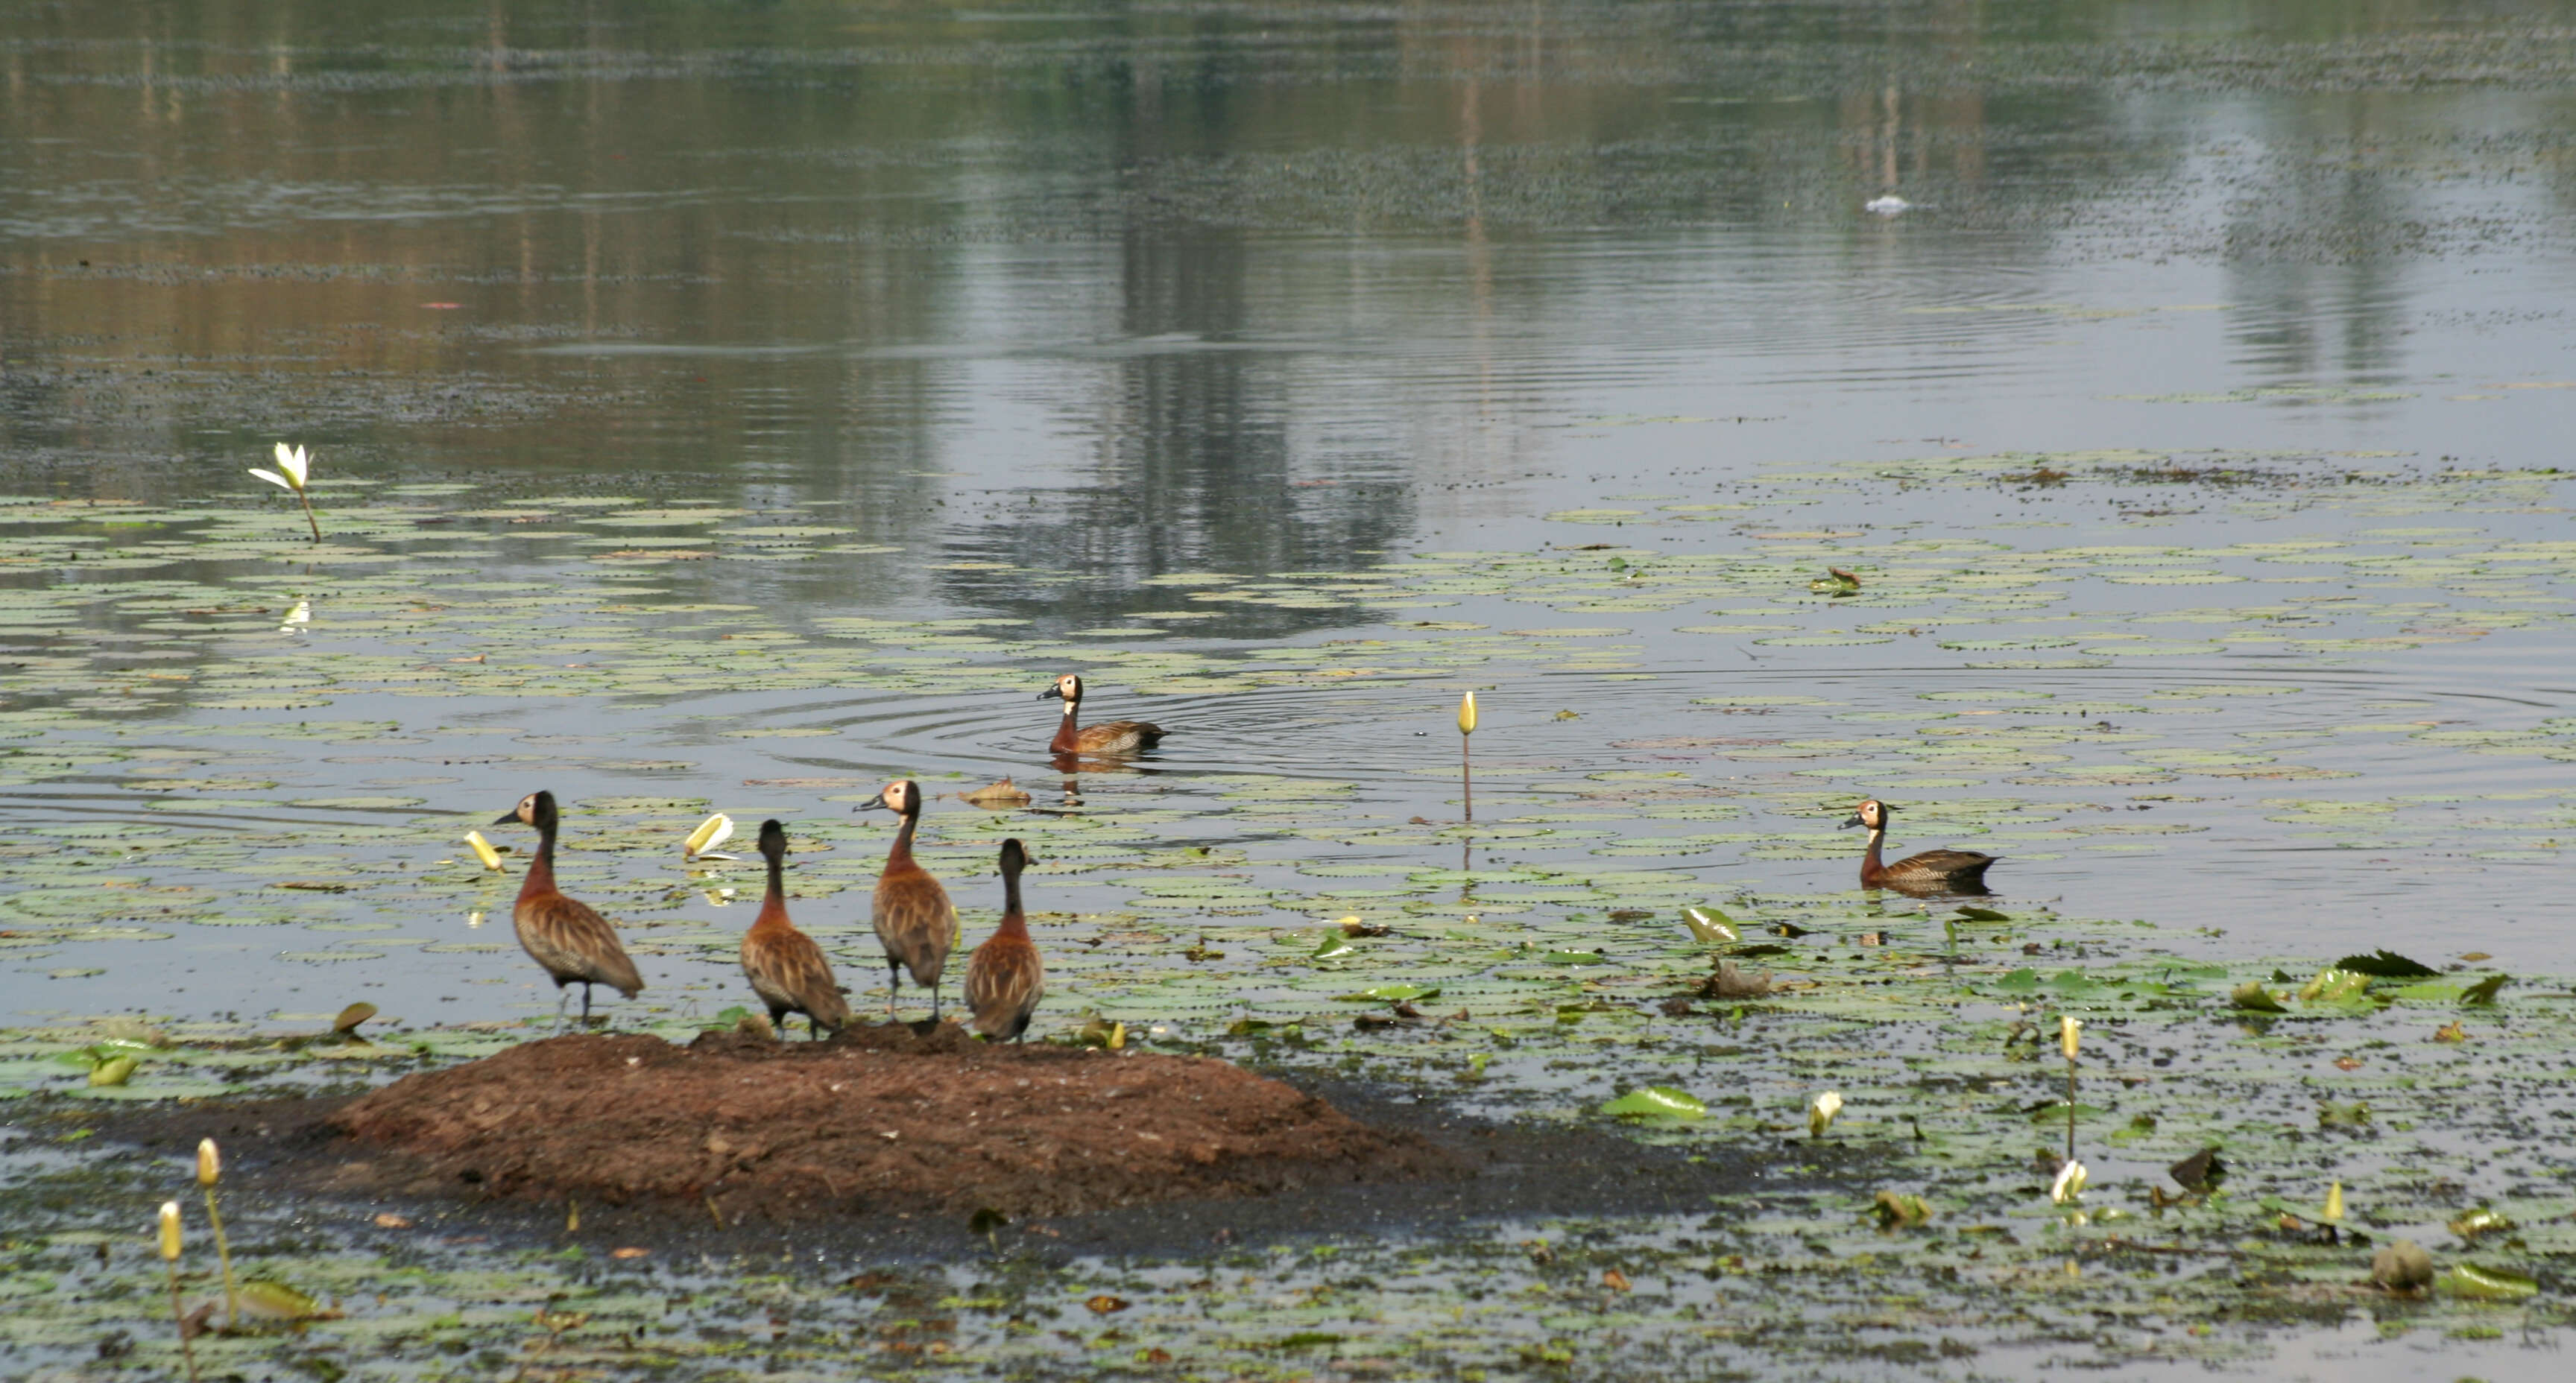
x: 2333, y: 1213
x: 1467, y: 714
x: 483, y: 850
x: 210, y: 1163
x: 2068, y: 1028
x: 2069, y: 1184
x: 170, y: 1231
x: 1821, y: 1111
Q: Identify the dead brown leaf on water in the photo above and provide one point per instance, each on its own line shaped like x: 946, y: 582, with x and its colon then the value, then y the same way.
x: 1001, y: 794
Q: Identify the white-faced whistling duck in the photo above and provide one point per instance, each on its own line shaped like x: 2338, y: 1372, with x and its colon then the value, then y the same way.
x: 1112, y: 737
x: 1004, y: 978
x: 787, y: 970
x: 562, y: 934
x: 1933, y: 871
x: 913, y: 916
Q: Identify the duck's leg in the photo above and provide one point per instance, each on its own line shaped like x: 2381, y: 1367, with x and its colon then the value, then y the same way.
x: 585, y: 1003
x: 894, y: 981
x: 563, y: 1004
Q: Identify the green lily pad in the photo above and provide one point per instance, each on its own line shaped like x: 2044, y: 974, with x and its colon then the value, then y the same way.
x: 1656, y: 1102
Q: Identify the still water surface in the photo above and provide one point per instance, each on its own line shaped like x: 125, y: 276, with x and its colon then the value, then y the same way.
x: 1067, y: 318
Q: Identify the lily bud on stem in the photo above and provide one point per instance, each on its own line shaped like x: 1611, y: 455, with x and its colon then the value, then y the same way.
x: 170, y: 1260
x: 210, y: 1169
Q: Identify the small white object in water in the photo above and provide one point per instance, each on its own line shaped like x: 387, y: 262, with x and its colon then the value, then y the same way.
x: 1888, y: 205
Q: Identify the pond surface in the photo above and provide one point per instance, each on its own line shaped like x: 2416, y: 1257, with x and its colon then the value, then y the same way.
x: 729, y: 409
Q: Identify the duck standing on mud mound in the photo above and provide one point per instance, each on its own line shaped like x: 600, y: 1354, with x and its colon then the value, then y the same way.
x: 787, y: 970
x: 1112, y: 737
x: 1933, y: 871
x: 563, y: 934
x: 1004, y: 978
x: 913, y: 916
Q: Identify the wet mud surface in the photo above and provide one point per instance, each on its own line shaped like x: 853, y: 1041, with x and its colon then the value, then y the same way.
x: 496, y: 1152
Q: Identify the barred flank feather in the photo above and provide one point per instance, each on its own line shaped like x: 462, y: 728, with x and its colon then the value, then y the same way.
x: 1004, y: 978
x: 914, y: 919
x: 786, y: 969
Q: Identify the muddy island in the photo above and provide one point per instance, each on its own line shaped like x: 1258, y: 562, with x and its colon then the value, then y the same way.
x: 881, y: 1120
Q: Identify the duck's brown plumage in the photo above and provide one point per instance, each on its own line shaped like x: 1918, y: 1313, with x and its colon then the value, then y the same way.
x: 1111, y: 737
x: 786, y: 969
x: 1004, y: 978
x: 913, y: 917
x: 574, y: 944
x: 1933, y: 871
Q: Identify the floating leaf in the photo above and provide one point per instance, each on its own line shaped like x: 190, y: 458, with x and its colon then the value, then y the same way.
x: 1656, y: 1102
x: 2480, y: 1221
x: 262, y: 1299
x: 2469, y: 1281
x: 2483, y: 993
x: 116, y: 1070
x: 1391, y: 994
x: 347, y: 1023
x: 1709, y: 926
x: 2252, y: 995
x: 2200, y: 1173
x: 1977, y: 914
x: 1895, y: 1211
x: 1574, y: 958
x: 1004, y: 793
x: 2334, y: 985
x: 2386, y: 965
x: 1335, y: 944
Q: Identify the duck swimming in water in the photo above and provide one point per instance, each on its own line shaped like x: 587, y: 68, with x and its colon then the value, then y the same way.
x: 1933, y: 871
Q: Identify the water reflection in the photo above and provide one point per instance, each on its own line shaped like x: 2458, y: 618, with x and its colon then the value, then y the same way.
x: 1106, y: 294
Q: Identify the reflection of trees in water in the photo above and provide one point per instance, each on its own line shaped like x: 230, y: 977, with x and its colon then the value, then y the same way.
x: 271, y: 196
x: 1192, y: 464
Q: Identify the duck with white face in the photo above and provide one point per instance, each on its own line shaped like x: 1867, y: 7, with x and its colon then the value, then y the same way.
x: 914, y: 920
x: 1933, y: 871
x: 574, y: 943
x: 1112, y: 737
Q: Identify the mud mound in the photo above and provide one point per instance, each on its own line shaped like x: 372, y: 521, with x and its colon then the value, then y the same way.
x: 881, y: 1120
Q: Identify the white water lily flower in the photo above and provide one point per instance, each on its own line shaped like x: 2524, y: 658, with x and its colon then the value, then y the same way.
x: 2069, y: 1183
x: 296, y: 469
x: 291, y: 460
x: 1821, y: 1111
x: 712, y: 832
x: 297, y: 618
